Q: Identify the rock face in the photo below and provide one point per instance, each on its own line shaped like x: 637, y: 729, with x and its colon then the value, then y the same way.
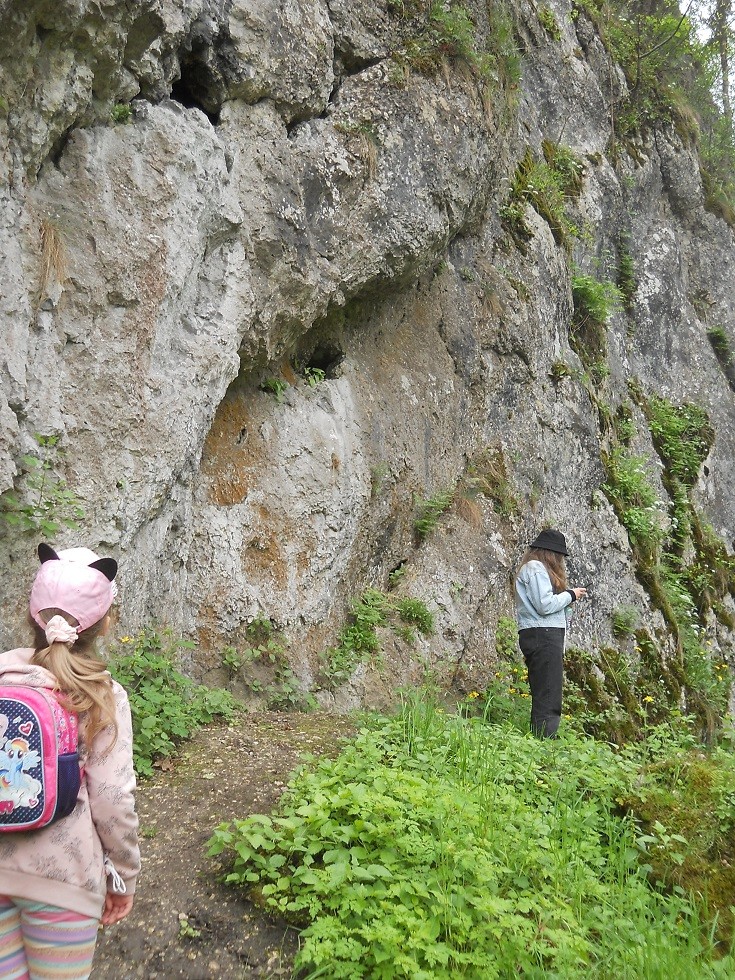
x: 260, y: 295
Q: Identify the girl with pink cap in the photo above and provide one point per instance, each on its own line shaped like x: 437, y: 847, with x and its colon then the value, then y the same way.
x: 57, y: 883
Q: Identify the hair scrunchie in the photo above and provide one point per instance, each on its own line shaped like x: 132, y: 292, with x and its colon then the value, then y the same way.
x: 59, y: 631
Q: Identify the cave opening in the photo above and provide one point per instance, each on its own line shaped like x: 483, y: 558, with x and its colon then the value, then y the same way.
x: 194, y: 89
x: 326, y: 357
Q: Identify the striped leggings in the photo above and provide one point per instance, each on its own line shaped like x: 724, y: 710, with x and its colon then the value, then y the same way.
x: 43, y: 942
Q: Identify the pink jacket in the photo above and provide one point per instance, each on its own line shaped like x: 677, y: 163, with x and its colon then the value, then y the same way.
x: 63, y: 864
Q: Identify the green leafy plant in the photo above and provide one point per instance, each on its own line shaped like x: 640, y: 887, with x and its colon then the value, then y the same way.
x: 624, y: 620
x: 594, y: 303
x: 121, y: 112
x: 313, y: 376
x: 41, y: 502
x: 594, y: 300
x: 417, y: 613
x: 623, y: 424
x: 232, y: 660
x: 186, y: 929
x: 635, y: 501
x: 450, y: 34
x: 546, y: 185
x: 681, y: 562
x: 682, y: 434
x: 166, y: 706
x: 265, y: 669
x: 547, y: 19
x: 429, y: 512
x: 558, y: 371
x: 506, y: 638
x: 398, y: 573
x: 436, y: 846
x: 720, y: 342
x: 567, y: 167
x: 276, y: 387
x: 358, y: 640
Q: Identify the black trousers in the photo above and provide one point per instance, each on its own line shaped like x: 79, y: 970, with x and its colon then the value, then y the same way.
x: 543, y: 650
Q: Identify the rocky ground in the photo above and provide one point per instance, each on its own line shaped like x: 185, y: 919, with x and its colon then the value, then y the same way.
x: 185, y: 922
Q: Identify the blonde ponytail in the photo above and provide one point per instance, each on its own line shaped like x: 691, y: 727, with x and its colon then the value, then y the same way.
x: 81, y: 678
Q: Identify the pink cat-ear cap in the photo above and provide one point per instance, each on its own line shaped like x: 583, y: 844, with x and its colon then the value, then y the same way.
x: 75, y: 580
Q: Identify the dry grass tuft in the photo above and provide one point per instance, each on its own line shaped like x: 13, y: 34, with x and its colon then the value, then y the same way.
x: 53, y: 258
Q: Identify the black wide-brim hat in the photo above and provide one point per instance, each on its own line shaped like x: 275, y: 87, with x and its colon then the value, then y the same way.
x: 551, y: 540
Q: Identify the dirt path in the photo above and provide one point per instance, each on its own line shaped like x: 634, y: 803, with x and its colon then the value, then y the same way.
x: 185, y: 923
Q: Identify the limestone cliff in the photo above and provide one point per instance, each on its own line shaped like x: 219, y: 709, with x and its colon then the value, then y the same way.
x: 263, y: 291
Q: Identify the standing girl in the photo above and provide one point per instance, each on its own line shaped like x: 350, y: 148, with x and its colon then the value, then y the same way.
x: 542, y: 601
x: 57, y: 883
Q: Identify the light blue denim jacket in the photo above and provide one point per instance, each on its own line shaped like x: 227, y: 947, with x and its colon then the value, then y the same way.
x: 536, y: 602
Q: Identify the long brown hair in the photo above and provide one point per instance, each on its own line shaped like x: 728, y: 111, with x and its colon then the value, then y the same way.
x: 81, y: 677
x: 554, y: 564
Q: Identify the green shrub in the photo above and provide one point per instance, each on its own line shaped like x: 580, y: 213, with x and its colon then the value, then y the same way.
x: 313, y: 375
x: 547, y: 20
x: 430, y: 511
x: 559, y: 370
x: 441, y: 847
x: 358, y: 640
x: 594, y: 301
x: 121, y: 112
x: 506, y: 639
x: 624, y: 621
x: 276, y: 387
x: 682, y: 435
x: 626, y: 281
x: 566, y: 166
x: 623, y: 424
x: 721, y: 345
x: 450, y: 33
x: 635, y: 501
x: 546, y: 187
x: 41, y: 502
x: 416, y: 613
x: 166, y: 706
x: 264, y: 669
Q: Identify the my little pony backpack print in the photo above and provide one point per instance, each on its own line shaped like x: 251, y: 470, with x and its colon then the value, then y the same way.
x: 39, y: 759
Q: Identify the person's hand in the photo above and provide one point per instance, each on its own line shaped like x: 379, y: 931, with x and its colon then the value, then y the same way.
x: 580, y: 593
x: 116, y: 908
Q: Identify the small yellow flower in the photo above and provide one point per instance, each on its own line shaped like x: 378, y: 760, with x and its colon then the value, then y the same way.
x: 126, y: 639
x: 472, y: 695
x: 648, y: 699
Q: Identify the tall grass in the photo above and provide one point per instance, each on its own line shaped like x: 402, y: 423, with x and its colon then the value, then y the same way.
x: 438, y: 846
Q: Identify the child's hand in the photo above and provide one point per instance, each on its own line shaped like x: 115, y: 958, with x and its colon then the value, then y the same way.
x: 116, y: 908
x: 580, y: 593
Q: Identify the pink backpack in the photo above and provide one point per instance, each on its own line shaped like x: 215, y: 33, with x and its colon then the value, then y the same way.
x: 39, y: 758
